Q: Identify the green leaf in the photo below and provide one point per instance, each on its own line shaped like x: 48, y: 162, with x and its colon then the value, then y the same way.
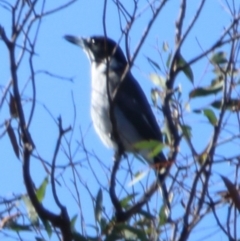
x: 32, y: 214
x: 114, y: 235
x: 201, y: 159
x: 155, y: 64
x: 158, y: 80
x: 211, y: 116
x: 128, y: 232
x: 200, y: 92
x: 40, y: 193
x: 78, y: 237
x: 163, y: 217
x: 169, y: 59
x: 217, y: 104
x: 231, y: 104
x: 214, y: 88
x: 137, y: 177
x: 156, y: 150
x: 47, y: 227
x: 233, y: 192
x: 167, y: 136
x: 73, y: 221
x: 219, y: 58
x: 146, y: 214
x: 98, y: 207
x: 154, y: 96
x: 141, y: 145
x: 187, y: 69
x: 125, y: 201
x: 18, y: 227
x: 165, y: 46
x: 103, y: 223
x: 40, y: 239
x: 154, y: 147
x: 134, y: 233
x: 187, y: 131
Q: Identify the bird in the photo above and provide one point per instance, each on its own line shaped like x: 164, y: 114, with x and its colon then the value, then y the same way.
x: 115, y: 89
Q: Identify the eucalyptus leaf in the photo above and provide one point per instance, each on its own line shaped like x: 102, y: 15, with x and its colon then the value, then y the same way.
x: 41, y: 191
x: 182, y: 63
x: 98, y: 207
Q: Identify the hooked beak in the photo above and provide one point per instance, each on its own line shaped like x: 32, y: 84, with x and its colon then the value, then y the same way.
x: 83, y: 43
x: 76, y: 40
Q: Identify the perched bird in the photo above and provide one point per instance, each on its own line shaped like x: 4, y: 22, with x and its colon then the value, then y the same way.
x: 133, y: 116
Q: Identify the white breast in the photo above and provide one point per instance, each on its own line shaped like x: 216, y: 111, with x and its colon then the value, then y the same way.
x: 100, y: 113
x: 100, y: 105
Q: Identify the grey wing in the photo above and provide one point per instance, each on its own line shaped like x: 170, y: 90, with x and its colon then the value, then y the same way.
x: 134, y: 104
x: 132, y: 101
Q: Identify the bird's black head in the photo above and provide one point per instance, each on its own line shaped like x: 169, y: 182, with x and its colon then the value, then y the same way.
x: 99, y: 48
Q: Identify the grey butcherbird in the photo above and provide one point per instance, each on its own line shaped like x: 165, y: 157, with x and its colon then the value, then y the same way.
x: 134, y: 118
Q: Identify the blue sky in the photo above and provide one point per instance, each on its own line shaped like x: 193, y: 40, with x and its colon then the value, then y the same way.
x: 57, y: 56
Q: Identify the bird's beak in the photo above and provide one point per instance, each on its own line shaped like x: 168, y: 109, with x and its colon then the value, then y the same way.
x: 76, y: 40
x: 83, y: 43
